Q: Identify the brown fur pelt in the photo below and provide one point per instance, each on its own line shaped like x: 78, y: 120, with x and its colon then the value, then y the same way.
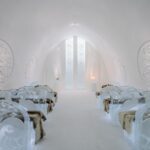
x: 106, y: 103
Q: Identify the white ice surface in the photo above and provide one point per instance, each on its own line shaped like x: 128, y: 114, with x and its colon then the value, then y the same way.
x: 77, y: 124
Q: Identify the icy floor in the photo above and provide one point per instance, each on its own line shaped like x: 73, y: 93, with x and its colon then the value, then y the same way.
x: 77, y: 124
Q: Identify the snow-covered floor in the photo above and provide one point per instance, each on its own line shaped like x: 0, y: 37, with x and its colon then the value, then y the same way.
x: 77, y: 124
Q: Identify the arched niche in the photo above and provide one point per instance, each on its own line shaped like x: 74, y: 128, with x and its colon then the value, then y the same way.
x: 54, y: 69
x: 47, y: 46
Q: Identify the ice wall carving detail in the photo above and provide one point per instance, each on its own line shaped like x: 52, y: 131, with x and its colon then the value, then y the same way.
x: 144, y: 62
x: 6, y: 61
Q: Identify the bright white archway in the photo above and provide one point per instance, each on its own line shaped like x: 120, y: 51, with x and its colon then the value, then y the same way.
x: 112, y: 69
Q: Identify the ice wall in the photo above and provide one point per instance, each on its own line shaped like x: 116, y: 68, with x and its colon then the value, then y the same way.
x: 34, y: 28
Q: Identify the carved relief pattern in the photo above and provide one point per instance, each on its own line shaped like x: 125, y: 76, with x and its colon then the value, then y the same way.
x: 144, y: 62
x: 6, y: 61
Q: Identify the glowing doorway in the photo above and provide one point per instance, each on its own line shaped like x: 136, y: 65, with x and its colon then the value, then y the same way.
x: 75, y: 63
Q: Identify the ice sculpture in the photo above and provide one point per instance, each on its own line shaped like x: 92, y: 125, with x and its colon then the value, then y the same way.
x: 123, y: 105
x: 126, y: 116
x: 47, y: 92
x: 40, y: 95
x: 5, y: 95
x: 37, y: 92
x: 113, y: 92
x: 131, y: 108
x: 130, y: 92
x: 48, y: 95
x: 109, y: 92
x: 142, y: 132
x: 118, y: 96
x: 28, y: 98
x: 27, y: 92
x: 36, y: 116
x: 15, y: 127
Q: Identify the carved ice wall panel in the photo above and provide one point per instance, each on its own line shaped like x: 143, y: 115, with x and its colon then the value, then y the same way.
x: 144, y: 62
x: 6, y: 62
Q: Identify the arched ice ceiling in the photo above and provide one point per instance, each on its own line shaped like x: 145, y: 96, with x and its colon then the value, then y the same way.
x: 117, y: 28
